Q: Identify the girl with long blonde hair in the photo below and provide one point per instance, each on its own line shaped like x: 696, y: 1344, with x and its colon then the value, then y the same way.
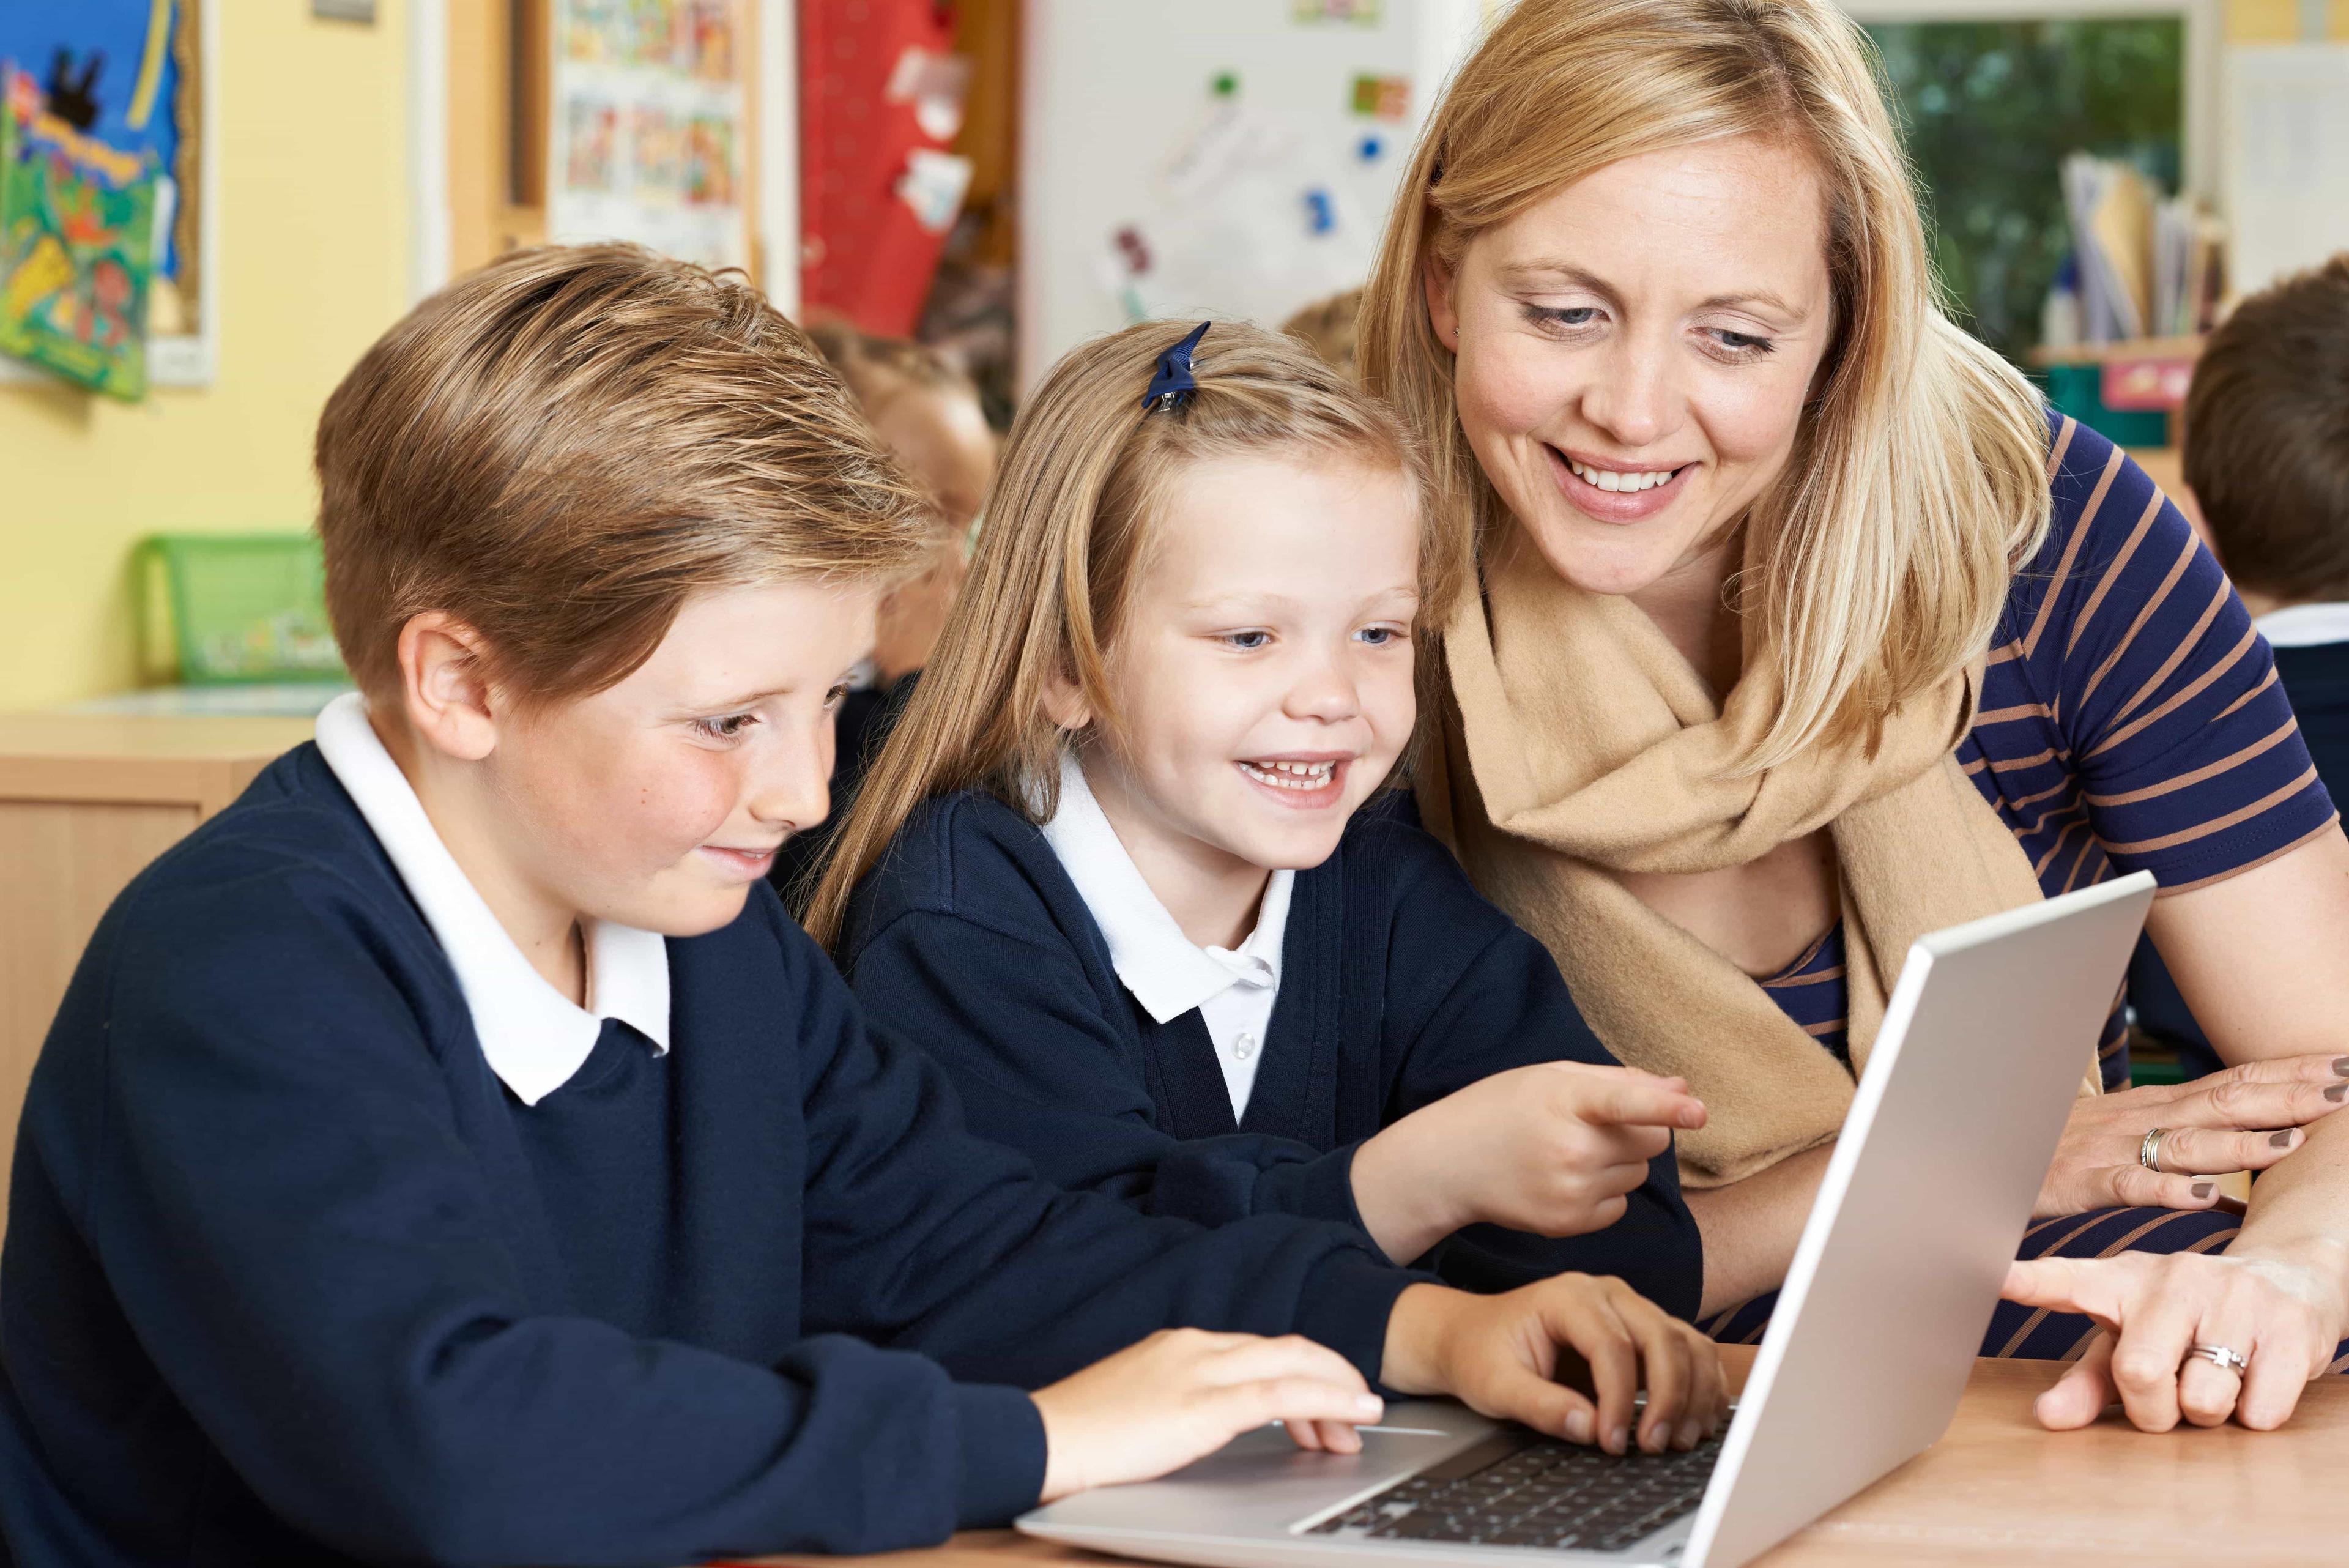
x: 1122, y: 870
x: 1798, y: 628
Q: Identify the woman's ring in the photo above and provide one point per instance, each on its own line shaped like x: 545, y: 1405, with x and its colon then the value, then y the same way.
x: 2148, y: 1150
x: 2220, y: 1356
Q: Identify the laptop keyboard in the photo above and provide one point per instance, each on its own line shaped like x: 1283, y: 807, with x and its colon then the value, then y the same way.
x: 1519, y: 1488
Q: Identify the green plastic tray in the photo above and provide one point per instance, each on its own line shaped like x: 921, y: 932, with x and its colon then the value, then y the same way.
x: 239, y: 607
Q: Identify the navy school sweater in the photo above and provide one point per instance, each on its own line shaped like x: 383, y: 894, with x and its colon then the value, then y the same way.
x: 1399, y: 984
x: 290, y: 1276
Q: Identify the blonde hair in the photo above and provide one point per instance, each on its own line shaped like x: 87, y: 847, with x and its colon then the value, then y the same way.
x: 561, y: 448
x: 1083, y: 482
x: 1331, y: 327
x: 1918, y: 483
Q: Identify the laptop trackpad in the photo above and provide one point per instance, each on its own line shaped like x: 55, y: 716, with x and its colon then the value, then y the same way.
x: 1261, y: 1479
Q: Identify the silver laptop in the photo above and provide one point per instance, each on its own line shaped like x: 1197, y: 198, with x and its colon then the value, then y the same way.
x: 1931, y: 1186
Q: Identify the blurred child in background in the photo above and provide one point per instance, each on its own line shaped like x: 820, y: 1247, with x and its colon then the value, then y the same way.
x: 2267, y: 456
x: 928, y: 414
x: 1327, y: 327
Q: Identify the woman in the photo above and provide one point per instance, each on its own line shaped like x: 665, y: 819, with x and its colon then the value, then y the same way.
x: 1805, y: 631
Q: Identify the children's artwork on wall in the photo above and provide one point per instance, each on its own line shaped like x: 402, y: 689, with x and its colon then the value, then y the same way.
x: 647, y: 136
x: 77, y: 245
x: 126, y: 75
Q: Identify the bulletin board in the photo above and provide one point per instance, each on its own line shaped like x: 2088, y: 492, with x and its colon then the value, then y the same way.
x: 650, y: 131
x: 133, y: 75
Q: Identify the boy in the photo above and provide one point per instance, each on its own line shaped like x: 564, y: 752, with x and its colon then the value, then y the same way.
x: 417, y: 1170
x: 2267, y: 457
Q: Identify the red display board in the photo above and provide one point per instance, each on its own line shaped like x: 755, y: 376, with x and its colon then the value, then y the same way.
x: 880, y: 99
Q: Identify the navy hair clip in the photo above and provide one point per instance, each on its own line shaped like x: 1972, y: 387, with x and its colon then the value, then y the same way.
x: 1172, y: 382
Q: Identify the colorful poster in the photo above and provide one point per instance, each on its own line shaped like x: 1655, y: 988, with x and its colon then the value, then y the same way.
x: 648, y: 132
x: 78, y: 221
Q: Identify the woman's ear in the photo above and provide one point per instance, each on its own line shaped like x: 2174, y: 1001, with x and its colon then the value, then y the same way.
x: 444, y: 686
x: 1436, y: 282
x: 1065, y: 704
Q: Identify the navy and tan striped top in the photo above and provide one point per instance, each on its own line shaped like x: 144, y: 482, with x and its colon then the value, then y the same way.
x: 2130, y: 718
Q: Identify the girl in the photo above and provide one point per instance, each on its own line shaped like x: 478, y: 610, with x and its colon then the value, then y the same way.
x: 1112, y: 865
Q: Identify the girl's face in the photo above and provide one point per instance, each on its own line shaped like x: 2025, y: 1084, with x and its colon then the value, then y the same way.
x: 1263, y: 675
x: 1633, y: 352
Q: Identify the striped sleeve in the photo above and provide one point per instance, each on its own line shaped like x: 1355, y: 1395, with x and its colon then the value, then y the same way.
x: 2131, y: 642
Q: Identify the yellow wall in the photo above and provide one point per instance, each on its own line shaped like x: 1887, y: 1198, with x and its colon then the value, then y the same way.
x: 2280, y: 21
x: 313, y: 259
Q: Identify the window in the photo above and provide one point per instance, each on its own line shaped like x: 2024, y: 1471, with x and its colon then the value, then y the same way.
x: 1990, y: 105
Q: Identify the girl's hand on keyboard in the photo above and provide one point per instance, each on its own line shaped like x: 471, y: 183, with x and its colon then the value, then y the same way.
x: 1184, y: 1393
x: 1513, y: 1358
x: 1553, y: 1149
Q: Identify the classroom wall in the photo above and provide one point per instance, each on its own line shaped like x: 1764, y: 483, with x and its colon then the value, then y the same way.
x: 2286, y: 21
x: 313, y: 259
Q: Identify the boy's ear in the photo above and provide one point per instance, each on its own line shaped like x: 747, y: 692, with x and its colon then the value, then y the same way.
x: 1435, y: 283
x: 1065, y: 704
x: 444, y: 686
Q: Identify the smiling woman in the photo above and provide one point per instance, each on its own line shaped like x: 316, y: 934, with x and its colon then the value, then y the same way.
x: 1801, y: 628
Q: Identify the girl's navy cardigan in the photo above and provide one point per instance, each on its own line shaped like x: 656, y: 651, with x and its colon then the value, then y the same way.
x: 1399, y: 984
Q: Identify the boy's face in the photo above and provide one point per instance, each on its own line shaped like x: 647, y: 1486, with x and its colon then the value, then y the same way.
x: 1263, y: 672
x: 658, y: 802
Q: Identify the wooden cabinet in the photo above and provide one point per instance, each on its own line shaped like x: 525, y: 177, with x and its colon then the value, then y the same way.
x: 85, y: 801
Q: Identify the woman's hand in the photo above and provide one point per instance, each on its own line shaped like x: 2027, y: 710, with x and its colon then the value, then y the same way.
x: 2285, y: 1316
x: 1184, y: 1393
x: 1553, y: 1149
x: 1512, y: 1356
x: 2245, y: 1118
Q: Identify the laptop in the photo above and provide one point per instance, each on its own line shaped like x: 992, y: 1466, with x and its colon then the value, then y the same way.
x: 1885, y: 1305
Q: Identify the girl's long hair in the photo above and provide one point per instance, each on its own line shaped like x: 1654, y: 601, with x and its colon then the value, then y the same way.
x: 1082, y: 485
x: 1918, y: 481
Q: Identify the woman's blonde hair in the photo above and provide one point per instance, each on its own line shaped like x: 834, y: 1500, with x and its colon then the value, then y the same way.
x: 1917, y: 482
x: 1084, y: 479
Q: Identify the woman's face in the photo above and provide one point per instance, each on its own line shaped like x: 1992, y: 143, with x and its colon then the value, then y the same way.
x: 1633, y: 352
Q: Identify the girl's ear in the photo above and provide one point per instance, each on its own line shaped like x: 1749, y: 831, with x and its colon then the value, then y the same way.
x: 1065, y: 704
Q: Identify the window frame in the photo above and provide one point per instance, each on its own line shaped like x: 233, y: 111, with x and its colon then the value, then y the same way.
x: 2201, y: 115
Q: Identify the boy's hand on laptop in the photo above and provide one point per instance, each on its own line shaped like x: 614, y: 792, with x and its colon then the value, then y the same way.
x: 1552, y: 1149
x: 1184, y: 1393
x: 2245, y: 1118
x: 1513, y: 1357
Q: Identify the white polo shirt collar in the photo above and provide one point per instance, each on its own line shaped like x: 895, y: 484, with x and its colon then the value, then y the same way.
x: 534, y: 1037
x: 2305, y: 626
x: 1167, y: 972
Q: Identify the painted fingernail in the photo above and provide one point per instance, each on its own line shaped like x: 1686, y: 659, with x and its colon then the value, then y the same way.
x: 2336, y: 1093
x: 2341, y: 1066
x: 1578, y: 1426
x: 2204, y: 1189
x: 2281, y: 1140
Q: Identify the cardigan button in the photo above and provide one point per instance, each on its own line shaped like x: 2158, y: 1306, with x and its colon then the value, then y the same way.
x: 1244, y: 1047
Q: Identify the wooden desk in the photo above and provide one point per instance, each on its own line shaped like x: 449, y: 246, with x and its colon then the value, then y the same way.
x: 1998, y: 1489
x: 85, y: 801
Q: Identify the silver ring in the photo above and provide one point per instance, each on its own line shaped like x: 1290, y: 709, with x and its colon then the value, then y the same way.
x: 2220, y: 1356
x: 2149, y: 1148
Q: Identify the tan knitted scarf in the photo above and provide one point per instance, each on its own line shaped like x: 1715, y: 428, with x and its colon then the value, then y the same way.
x: 1580, y: 741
